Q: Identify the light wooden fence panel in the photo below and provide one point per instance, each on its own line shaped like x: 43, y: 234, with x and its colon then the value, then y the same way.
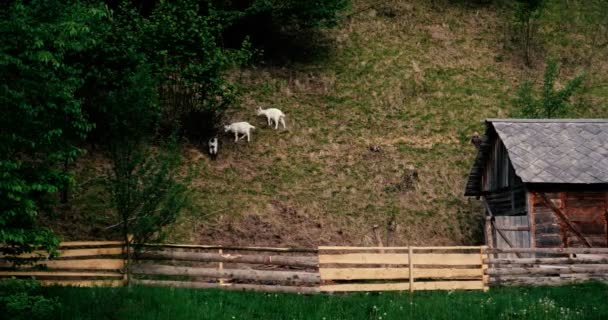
x: 345, y: 269
x: 80, y: 263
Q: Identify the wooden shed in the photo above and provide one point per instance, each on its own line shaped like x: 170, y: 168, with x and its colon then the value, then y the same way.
x: 543, y: 183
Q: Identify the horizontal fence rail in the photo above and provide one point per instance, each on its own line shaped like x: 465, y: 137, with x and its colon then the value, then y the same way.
x: 235, y: 268
x: 401, y: 268
x: 301, y: 270
x: 80, y: 263
x: 549, y: 266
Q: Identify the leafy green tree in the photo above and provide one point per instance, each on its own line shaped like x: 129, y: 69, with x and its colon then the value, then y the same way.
x: 139, y: 57
x: 182, y: 43
x: 42, y: 119
x: 550, y: 102
x: 147, y: 190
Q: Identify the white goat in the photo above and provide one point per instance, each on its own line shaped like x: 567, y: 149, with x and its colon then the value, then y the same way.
x: 243, y: 128
x: 273, y: 115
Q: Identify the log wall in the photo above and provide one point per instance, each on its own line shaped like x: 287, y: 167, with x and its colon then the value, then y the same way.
x: 585, y: 215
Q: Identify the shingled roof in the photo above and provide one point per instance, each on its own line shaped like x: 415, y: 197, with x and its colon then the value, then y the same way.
x: 549, y: 151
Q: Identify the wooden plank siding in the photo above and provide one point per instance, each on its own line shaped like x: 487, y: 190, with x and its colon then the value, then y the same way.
x: 508, y: 226
x: 584, y: 211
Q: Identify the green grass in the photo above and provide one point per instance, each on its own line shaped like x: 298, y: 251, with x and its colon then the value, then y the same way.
x: 588, y: 301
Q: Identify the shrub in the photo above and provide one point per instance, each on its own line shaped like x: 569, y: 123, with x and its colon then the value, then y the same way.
x: 550, y: 102
x: 21, y: 299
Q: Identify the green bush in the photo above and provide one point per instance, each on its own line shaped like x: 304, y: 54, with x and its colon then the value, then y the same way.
x: 21, y: 299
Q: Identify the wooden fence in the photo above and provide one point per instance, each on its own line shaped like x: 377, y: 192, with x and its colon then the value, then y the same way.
x: 546, y: 266
x: 80, y: 263
x: 401, y: 268
x: 326, y: 269
x: 232, y: 268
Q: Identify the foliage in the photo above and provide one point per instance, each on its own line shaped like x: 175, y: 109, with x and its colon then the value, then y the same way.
x: 583, y: 301
x: 146, y: 192
x: 287, y: 14
x: 550, y: 102
x: 183, y: 46
x: 527, y: 13
x: 22, y: 299
x: 302, y: 13
x: 42, y: 119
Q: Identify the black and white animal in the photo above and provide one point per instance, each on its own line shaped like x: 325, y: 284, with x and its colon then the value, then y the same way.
x: 243, y: 128
x: 213, y: 147
x: 272, y: 115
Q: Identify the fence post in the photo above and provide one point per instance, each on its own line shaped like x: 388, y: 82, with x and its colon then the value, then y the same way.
x: 488, y: 232
x: 127, y: 260
x: 484, y: 266
x: 410, y: 259
x: 221, y: 268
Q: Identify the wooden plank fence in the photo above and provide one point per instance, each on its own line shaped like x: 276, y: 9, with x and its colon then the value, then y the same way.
x: 325, y: 269
x: 80, y: 263
x: 401, y: 268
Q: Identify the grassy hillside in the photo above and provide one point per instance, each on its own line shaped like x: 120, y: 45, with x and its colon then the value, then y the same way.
x: 414, y: 77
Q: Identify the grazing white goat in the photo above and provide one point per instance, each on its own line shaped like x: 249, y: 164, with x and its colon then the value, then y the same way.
x: 243, y: 128
x: 273, y: 115
x: 213, y: 146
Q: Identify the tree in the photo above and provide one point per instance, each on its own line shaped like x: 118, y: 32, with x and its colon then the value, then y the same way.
x: 527, y: 13
x: 147, y: 190
x: 182, y: 43
x: 552, y: 102
x: 42, y: 119
x: 72, y: 68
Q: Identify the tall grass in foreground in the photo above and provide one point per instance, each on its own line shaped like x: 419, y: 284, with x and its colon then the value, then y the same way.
x: 585, y: 301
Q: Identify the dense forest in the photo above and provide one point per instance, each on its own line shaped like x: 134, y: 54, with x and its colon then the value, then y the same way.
x: 108, y: 107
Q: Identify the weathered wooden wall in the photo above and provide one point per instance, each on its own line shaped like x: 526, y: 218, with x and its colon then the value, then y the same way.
x: 585, y: 212
x: 512, y: 234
